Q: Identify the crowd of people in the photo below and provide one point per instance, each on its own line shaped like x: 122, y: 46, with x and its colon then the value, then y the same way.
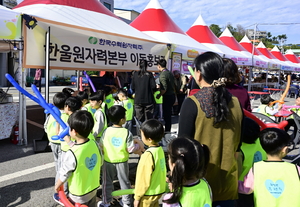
x: 214, y: 161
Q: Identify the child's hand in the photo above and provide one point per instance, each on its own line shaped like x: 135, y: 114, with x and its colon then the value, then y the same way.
x: 141, y: 146
x: 136, y: 203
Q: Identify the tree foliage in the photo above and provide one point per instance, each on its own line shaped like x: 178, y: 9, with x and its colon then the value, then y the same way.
x: 216, y: 29
x: 239, y: 32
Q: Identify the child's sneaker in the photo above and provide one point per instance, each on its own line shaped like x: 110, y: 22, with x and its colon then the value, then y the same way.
x: 101, y: 204
x: 122, y: 204
x: 57, y: 199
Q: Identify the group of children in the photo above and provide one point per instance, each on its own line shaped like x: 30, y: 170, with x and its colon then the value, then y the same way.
x: 100, y: 141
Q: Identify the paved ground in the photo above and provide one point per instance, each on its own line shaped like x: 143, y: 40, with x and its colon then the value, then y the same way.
x: 27, y: 178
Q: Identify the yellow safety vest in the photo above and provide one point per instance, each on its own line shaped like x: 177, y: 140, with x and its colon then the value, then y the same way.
x: 64, y: 146
x: 128, y: 105
x: 105, y: 123
x: 196, y: 195
x: 276, y: 184
x: 115, y: 145
x: 109, y: 101
x: 85, y: 178
x: 51, y: 129
x: 252, y: 153
x: 158, y: 177
x: 158, y: 100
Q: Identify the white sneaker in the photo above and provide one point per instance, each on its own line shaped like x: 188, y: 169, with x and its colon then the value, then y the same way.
x: 101, y: 204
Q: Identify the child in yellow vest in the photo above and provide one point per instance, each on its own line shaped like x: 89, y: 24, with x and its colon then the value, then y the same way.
x: 117, y: 142
x: 252, y: 152
x: 82, y: 161
x: 50, y: 126
x: 158, y: 104
x: 128, y: 104
x: 188, y: 160
x: 96, y: 101
x: 150, y: 182
x: 274, y: 182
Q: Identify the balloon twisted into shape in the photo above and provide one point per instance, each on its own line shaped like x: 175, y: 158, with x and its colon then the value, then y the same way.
x: 49, y: 108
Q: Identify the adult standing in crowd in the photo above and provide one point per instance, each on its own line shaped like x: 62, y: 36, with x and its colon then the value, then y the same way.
x: 180, y: 89
x: 233, y: 78
x: 167, y: 91
x: 38, y: 78
x: 143, y: 85
x: 213, y: 117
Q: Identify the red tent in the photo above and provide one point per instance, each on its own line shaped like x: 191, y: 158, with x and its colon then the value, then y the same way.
x: 202, y: 33
x: 262, y: 48
x: 155, y: 22
x: 291, y: 56
x: 228, y: 39
x: 289, y: 65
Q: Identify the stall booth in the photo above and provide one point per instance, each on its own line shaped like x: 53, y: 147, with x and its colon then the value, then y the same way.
x: 10, y: 36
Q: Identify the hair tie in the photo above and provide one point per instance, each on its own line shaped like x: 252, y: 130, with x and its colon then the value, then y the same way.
x: 219, y: 82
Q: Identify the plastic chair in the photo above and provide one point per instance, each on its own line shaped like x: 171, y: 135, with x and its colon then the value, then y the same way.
x: 293, y: 92
x: 263, y: 118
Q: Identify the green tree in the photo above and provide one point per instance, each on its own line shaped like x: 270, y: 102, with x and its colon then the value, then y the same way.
x: 216, y: 29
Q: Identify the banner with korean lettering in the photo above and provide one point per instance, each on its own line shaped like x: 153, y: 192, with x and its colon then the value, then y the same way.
x: 77, y: 48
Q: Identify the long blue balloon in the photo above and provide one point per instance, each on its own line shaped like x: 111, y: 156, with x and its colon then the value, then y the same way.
x: 22, y: 90
x: 90, y: 81
x: 41, y: 101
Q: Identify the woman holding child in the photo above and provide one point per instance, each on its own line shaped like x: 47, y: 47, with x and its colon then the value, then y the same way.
x: 213, y: 117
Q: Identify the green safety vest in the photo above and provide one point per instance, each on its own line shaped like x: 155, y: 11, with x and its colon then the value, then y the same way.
x: 196, y: 195
x: 252, y: 153
x: 115, y: 145
x: 276, y: 184
x: 158, y: 177
x: 128, y: 105
x: 51, y: 129
x: 109, y: 101
x: 64, y: 146
x: 262, y: 109
x: 89, y: 108
x: 158, y: 100
x: 85, y: 178
x: 105, y: 123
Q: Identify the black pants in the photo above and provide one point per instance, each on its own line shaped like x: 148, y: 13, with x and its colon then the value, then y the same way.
x: 168, y: 102
x: 144, y: 111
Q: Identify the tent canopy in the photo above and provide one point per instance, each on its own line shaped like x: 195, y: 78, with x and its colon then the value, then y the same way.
x: 202, y: 33
x: 291, y: 56
x: 155, y: 22
x: 88, y: 14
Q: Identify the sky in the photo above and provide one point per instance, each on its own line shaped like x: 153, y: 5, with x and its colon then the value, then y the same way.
x: 221, y: 12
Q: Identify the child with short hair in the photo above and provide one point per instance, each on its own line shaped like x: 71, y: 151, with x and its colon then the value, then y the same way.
x: 187, y: 160
x: 117, y: 143
x: 266, y: 106
x: 50, y: 126
x: 82, y: 175
x: 96, y: 101
x: 273, y: 181
x: 128, y: 104
x: 150, y: 181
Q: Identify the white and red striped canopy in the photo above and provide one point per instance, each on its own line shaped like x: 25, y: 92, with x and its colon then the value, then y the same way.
x: 88, y: 14
x: 289, y: 65
x: 202, y: 33
x: 291, y: 56
x: 155, y: 22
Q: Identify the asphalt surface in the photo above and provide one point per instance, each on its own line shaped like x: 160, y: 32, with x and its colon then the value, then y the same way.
x: 26, y: 177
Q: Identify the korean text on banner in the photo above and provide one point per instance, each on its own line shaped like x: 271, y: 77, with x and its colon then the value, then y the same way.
x: 77, y: 48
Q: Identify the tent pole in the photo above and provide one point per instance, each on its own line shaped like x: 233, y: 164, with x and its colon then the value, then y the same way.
x: 47, y: 66
x: 24, y: 122
x: 21, y: 102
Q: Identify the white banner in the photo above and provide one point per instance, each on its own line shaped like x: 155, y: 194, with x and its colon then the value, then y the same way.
x: 77, y: 48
